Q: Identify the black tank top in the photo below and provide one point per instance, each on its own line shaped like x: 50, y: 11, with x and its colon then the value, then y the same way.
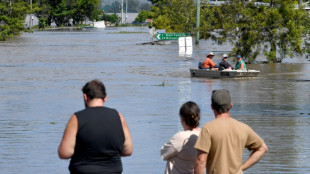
x: 99, y: 142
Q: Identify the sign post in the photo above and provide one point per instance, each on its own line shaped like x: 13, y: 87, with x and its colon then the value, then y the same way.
x: 197, y: 21
x: 170, y: 36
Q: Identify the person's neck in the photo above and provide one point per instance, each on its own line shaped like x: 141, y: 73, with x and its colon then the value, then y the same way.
x: 191, y: 128
x: 95, y: 103
x: 222, y: 115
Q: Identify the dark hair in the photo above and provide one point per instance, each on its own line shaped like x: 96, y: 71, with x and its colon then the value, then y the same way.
x: 94, y: 89
x: 190, y: 112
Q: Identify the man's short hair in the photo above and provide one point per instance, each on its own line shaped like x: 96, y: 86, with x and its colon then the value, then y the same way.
x: 221, y: 100
x: 94, y: 89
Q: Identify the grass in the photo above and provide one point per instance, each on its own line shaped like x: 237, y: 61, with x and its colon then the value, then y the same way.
x: 164, y: 84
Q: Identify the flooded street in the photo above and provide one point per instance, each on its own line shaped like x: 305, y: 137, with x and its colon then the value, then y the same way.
x: 42, y: 74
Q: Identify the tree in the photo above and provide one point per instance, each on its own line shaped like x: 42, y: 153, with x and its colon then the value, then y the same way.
x: 42, y: 10
x: 246, y: 26
x: 155, y: 1
x: 12, y: 16
x: 143, y: 15
x: 107, y: 8
x: 62, y: 14
x: 115, y: 7
x: 61, y: 11
x: 113, y: 18
x: 174, y: 15
x: 86, y: 9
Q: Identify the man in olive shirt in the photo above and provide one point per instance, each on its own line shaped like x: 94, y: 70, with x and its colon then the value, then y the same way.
x: 221, y: 141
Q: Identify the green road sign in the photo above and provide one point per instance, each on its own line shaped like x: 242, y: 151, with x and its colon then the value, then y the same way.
x: 170, y: 36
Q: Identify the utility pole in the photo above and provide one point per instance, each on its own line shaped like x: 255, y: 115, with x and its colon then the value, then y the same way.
x: 30, y: 15
x: 122, y: 11
x: 197, y: 21
x: 126, y: 12
x: 299, y: 4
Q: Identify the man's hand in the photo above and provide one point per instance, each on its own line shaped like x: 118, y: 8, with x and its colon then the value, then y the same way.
x: 255, y: 157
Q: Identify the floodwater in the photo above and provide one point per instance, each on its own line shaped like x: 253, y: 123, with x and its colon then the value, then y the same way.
x: 40, y: 88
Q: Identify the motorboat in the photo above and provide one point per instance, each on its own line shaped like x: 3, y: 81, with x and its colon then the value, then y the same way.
x: 223, y: 74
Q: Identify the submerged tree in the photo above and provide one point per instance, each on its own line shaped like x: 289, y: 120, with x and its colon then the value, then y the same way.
x: 112, y: 18
x: 143, y: 15
x: 275, y: 28
x: 12, y: 16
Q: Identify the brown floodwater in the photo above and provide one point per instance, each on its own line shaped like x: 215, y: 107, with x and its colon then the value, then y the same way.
x: 40, y: 87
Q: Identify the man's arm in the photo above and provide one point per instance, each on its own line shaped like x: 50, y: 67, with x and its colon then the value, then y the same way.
x: 241, y: 66
x: 200, y: 164
x: 66, y: 147
x: 127, y: 146
x: 256, y: 155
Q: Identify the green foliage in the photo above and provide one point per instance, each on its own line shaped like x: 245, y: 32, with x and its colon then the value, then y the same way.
x: 62, y: 14
x: 42, y: 23
x: 143, y: 15
x: 174, y: 15
x: 113, y: 18
x: 61, y: 11
x: 155, y: 1
x: 86, y: 9
x: 273, y: 27
x: 277, y: 30
x: 12, y: 18
x: 13, y: 13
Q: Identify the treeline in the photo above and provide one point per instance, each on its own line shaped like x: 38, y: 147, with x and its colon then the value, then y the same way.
x: 13, y: 13
x: 61, y: 11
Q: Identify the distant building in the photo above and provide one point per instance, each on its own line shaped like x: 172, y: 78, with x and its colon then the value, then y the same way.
x: 33, y: 22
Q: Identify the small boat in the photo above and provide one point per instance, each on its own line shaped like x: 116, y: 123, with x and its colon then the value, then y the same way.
x: 224, y: 73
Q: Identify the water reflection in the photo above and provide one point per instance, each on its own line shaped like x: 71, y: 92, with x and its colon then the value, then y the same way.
x: 42, y: 73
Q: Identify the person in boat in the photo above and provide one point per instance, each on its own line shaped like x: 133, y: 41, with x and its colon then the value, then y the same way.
x: 208, y: 63
x: 179, y: 151
x: 224, y: 65
x: 96, y: 137
x: 240, y: 65
x: 221, y: 141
